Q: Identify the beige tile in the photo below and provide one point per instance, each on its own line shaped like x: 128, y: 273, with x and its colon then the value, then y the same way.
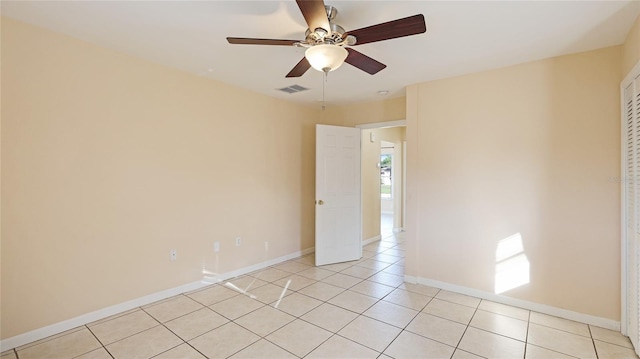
x: 420, y: 289
x: 373, y: 264
x: 338, y: 267
x: 297, y: 282
x: 452, y: 311
x: 196, y: 323
x: 607, y: 350
x: 173, y: 308
x: 359, y: 272
x: 308, y: 259
x: 213, y: 294
x: 391, y: 313
x: 372, y: 289
x: 370, y: 332
x: 270, y: 274
x: 144, y: 345
x: 560, y: 341
x: 503, y: 309
x: 321, y: 291
x: 264, y: 320
x: 182, y: 351
x: 369, y: 254
x: 436, y: 328
x: 95, y: 354
x: 500, y: 324
x: 269, y: 293
x: 342, y: 280
x: 316, y: 273
x: 299, y: 337
x: 535, y: 352
x: 262, y: 349
x: 388, y: 279
x: 378, y: 246
x: 339, y: 347
x: 236, y: 307
x: 395, y: 269
x: 458, y: 298
x: 224, y: 341
x: 297, y: 304
x: 292, y: 266
x: 560, y: 323
x: 353, y: 301
x: 386, y: 258
x: 409, y: 345
x: 461, y: 354
x: 329, y: 317
x: 408, y: 299
x: 397, y: 252
x: 123, y: 326
x: 610, y: 336
x: 50, y: 338
x: 108, y: 318
x: 9, y: 354
x: 490, y: 345
x: 246, y: 283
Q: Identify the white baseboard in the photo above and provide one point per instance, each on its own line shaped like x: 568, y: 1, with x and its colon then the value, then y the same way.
x: 537, y: 307
x: 371, y: 240
x: 398, y: 230
x: 65, y: 325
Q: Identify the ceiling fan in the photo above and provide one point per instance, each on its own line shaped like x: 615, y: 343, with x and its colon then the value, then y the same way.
x: 327, y: 42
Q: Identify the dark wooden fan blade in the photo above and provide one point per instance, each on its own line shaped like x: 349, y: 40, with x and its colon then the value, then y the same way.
x: 314, y: 14
x: 407, y: 26
x: 250, y: 41
x: 364, y: 62
x: 300, y: 68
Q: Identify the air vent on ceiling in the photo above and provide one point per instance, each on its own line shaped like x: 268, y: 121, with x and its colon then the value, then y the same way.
x: 293, y: 89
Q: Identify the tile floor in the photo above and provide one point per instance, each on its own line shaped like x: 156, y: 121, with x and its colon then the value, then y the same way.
x: 360, y: 309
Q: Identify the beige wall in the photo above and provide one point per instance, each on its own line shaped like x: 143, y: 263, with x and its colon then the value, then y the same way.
x: 109, y: 162
x: 527, y: 150
x: 631, y: 48
x: 363, y: 113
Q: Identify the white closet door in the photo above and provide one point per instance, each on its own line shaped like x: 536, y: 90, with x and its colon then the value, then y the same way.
x: 631, y: 202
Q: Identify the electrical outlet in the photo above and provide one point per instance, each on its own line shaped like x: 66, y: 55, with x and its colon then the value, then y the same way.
x: 216, y: 246
x: 238, y: 241
x: 173, y: 254
x: 266, y: 245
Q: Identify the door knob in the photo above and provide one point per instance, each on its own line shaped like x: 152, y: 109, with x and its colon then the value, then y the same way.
x: 321, y: 202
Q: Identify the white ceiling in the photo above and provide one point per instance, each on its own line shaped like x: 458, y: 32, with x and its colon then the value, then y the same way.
x: 462, y: 37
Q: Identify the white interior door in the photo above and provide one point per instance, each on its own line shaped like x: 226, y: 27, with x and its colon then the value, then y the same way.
x: 338, y: 218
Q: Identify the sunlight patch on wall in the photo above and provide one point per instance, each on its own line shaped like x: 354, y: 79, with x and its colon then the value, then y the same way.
x: 512, y: 265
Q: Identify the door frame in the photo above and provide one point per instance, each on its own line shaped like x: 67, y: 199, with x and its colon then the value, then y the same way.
x: 375, y: 125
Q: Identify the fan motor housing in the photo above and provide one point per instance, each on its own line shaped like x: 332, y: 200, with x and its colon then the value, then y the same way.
x: 321, y: 36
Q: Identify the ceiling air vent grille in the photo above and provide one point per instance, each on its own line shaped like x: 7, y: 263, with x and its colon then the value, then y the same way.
x: 293, y: 89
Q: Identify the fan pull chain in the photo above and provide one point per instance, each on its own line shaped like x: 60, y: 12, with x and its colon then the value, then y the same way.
x: 324, y: 83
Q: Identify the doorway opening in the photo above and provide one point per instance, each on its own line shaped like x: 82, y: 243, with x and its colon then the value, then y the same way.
x: 383, y: 179
x: 386, y: 187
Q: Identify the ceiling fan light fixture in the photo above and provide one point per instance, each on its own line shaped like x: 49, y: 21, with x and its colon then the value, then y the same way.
x: 326, y: 57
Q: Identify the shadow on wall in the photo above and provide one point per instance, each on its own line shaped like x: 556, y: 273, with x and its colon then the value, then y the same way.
x: 512, y: 264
